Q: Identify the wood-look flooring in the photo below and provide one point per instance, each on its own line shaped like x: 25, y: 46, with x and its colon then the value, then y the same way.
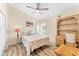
x: 19, y: 50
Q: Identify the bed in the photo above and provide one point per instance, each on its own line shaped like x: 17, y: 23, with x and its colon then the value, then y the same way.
x: 32, y: 42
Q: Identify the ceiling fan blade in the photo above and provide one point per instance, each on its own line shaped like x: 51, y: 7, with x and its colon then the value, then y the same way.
x: 30, y: 7
x: 43, y: 9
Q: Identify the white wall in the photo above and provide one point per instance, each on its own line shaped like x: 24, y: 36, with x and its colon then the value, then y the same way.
x: 17, y: 18
x: 51, y: 28
x: 3, y: 38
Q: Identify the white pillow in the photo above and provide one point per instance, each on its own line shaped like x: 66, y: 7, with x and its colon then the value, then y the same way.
x: 70, y: 37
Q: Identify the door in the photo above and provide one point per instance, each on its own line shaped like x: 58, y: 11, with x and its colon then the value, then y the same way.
x: 2, y: 33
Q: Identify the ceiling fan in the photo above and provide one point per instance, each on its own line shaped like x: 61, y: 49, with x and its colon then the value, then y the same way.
x: 37, y: 9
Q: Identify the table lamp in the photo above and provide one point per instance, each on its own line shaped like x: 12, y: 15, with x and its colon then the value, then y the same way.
x: 17, y: 30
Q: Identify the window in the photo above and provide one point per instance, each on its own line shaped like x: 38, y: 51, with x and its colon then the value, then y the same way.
x: 41, y: 28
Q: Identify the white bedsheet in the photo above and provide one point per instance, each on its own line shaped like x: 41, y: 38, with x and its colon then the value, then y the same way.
x: 30, y: 38
x: 33, y: 37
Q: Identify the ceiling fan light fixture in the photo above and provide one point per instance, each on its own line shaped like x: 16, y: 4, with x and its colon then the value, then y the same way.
x: 37, y: 11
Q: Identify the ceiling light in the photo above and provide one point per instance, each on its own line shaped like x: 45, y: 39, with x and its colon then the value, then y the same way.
x: 37, y: 11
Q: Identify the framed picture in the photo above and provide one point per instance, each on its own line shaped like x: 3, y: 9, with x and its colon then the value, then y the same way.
x: 29, y: 24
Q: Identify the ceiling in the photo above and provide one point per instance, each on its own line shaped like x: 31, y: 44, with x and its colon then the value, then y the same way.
x: 54, y: 9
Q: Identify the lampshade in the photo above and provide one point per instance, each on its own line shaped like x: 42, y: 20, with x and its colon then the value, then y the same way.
x: 17, y: 30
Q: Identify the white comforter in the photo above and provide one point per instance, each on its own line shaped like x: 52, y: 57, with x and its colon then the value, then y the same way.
x: 32, y: 42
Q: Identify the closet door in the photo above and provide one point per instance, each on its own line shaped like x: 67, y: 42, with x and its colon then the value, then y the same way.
x: 2, y: 33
